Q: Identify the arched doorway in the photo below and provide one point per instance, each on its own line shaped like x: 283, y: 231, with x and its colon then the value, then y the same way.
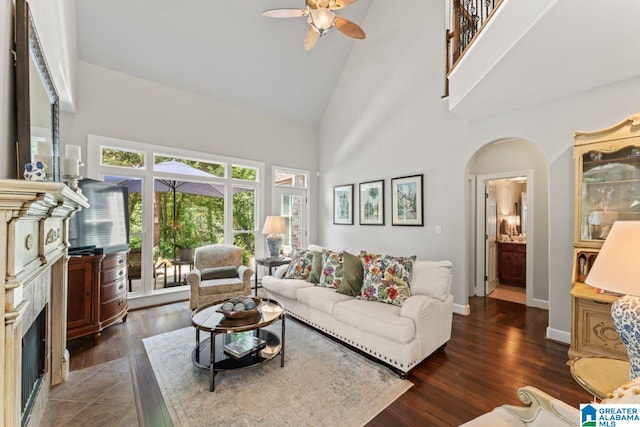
x: 509, y: 221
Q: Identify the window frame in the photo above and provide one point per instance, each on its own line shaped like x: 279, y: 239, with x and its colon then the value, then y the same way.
x: 96, y: 170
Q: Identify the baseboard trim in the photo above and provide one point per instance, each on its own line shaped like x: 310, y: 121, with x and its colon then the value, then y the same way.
x: 540, y: 303
x: 558, y: 335
x: 465, y: 310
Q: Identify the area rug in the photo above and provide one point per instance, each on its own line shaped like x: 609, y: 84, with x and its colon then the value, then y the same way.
x: 321, y: 384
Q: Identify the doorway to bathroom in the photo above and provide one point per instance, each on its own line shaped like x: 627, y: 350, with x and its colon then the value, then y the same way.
x: 505, y: 238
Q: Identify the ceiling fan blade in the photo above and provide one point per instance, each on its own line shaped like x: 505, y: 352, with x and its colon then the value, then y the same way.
x: 341, y: 4
x: 349, y: 28
x: 285, y: 13
x: 311, y: 38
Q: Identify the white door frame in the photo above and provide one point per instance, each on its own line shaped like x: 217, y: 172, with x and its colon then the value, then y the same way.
x: 481, y: 181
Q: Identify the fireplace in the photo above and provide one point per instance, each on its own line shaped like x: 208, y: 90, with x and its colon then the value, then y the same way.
x: 33, y: 270
x: 34, y: 346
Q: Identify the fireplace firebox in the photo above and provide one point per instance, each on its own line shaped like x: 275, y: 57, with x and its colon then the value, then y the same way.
x: 34, y: 350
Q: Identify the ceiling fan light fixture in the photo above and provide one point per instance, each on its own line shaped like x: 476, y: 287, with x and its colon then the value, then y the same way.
x: 322, y: 19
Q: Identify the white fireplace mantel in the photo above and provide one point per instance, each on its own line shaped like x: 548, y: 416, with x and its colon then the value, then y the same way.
x: 33, y: 266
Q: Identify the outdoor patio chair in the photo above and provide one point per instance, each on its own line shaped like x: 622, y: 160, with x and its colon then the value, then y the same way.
x: 218, y: 275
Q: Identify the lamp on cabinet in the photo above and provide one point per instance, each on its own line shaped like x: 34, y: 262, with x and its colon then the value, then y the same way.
x: 273, y: 228
x: 616, y: 269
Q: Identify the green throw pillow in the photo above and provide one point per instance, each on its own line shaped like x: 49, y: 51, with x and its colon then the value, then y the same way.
x: 229, y: 272
x: 316, y: 268
x: 353, y: 272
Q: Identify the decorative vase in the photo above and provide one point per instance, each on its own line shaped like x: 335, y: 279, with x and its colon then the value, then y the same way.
x: 274, y: 241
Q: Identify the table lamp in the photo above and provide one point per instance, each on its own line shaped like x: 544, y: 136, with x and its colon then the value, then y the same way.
x: 273, y: 228
x: 617, y: 269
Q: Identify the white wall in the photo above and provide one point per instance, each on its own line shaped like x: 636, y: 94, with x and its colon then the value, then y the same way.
x: 120, y: 106
x: 386, y: 119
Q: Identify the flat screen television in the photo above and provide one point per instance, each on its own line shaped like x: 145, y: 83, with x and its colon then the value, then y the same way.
x: 103, y: 227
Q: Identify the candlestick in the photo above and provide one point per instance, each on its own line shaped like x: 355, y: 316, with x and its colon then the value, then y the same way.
x: 74, y: 152
x: 70, y: 166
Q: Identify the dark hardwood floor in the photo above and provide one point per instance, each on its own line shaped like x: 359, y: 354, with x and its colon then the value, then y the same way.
x: 494, y: 351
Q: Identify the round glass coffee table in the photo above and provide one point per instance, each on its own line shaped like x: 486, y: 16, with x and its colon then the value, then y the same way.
x: 237, y: 343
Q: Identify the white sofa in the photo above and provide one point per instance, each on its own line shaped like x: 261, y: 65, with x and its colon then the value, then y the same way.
x: 401, y: 337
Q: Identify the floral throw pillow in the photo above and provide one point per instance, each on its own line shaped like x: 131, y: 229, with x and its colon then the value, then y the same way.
x: 332, y: 269
x: 300, y: 266
x: 386, y: 278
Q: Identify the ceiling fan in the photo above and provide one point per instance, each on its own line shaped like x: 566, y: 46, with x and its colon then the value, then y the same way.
x: 321, y: 18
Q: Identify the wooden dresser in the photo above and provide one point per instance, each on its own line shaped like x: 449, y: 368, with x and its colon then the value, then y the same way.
x: 97, y: 293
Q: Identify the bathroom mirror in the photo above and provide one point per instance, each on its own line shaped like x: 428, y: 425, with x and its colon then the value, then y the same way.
x: 37, y: 104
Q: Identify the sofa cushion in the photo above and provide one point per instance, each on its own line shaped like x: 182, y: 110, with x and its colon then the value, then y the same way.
x: 386, y: 279
x: 377, y: 319
x: 316, y: 267
x: 287, y: 288
x: 221, y: 286
x: 219, y: 273
x: 432, y: 278
x: 315, y: 248
x: 353, y: 275
x: 300, y: 266
x: 320, y: 298
x: 331, y: 269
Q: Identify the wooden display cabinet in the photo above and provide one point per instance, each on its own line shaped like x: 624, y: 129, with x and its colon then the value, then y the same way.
x: 97, y: 293
x: 607, y: 189
x: 83, y: 303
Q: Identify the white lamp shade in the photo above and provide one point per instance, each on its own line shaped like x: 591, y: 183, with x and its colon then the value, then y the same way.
x: 273, y: 225
x: 617, y: 267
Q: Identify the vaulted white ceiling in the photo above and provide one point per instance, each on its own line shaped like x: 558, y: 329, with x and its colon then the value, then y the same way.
x: 224, y: 50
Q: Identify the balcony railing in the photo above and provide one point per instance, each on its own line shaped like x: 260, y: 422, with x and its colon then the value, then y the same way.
x: 467, y: 19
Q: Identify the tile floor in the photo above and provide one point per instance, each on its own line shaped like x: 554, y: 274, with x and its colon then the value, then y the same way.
x: 102, y: 395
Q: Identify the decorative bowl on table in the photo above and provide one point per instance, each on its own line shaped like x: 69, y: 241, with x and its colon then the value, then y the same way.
x: 240, y: 307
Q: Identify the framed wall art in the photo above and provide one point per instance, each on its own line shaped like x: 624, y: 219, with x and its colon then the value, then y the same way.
x: 343, y: 204
x: 372, y: 203
x: 407, y: 203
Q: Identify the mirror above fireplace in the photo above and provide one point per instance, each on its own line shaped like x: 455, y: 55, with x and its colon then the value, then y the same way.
x: 37, y: 102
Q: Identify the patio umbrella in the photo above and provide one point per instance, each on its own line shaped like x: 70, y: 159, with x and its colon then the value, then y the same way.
x: 172, y: 185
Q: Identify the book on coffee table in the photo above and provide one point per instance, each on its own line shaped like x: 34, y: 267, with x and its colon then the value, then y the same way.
x: 244, y: 346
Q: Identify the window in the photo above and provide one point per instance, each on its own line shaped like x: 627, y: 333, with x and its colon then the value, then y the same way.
x: 183, y: 201
x: 244, y: 173
x: 290, y: 179
x: 290, y: 197
x: 121, y: 158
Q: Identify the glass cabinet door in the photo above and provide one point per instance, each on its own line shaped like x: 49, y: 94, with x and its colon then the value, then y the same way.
x: 610, y: 190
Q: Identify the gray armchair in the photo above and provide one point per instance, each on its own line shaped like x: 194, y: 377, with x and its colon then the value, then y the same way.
x: 218, y: 275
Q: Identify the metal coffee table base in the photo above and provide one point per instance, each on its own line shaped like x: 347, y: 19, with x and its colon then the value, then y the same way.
x: 212, y: 357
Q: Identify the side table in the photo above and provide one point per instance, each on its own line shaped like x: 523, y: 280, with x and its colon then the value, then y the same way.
x: 599, y: 375
x: 177, y: 268
x: 267, y: 262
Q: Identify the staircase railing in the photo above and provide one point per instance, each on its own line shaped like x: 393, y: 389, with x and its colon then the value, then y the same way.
x: 466, y: 19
